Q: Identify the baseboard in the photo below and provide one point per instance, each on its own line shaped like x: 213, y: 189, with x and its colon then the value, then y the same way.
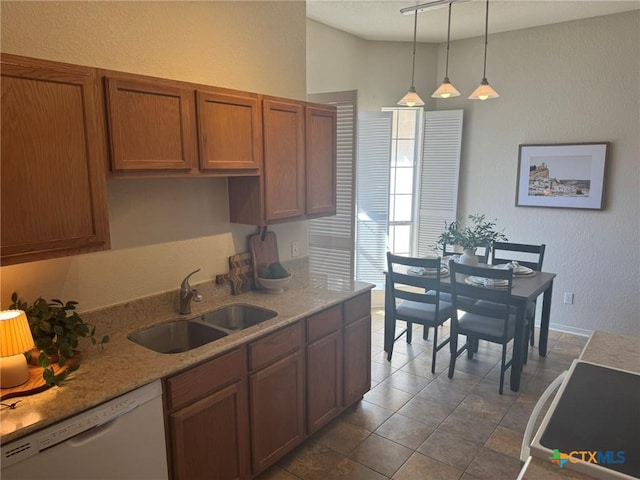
x: 568, y: 329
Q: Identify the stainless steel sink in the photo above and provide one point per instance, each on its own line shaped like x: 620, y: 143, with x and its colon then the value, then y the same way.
x: 177, y: 336
x: 237, y: 317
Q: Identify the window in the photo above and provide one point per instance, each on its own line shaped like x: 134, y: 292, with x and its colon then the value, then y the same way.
x: 405, y: 143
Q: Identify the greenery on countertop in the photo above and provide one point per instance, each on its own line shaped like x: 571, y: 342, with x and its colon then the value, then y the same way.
x: 56, y: 328
x: 480, y: 232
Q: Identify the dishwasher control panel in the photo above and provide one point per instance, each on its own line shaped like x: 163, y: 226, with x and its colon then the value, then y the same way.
x: 66, y: 430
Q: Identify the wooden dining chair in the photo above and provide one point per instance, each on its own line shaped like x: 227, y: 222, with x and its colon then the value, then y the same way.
x: 409, y: 280
x: 527, y: 255
x: 494, y: 324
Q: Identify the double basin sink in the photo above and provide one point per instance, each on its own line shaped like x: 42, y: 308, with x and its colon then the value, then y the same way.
x: 183, y: 335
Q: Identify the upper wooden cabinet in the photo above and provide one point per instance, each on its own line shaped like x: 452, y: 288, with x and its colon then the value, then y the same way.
x: 53, y: 193
x: 152, y: 125
x: 229, y: 131
x: 299, y: 178
x: 284, y: 180
x: 320, y: 142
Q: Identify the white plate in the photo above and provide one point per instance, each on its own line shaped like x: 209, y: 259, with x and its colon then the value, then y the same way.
x: 519, y: 270
x: 444, y: 271
x: 486, y: 282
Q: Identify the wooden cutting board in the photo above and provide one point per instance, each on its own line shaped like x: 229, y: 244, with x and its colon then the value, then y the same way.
x: 264, y: 252
x: 241, y: 273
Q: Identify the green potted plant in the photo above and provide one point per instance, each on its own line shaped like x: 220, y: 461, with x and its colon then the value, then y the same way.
x: 56, y: 328
x: 469, y: 237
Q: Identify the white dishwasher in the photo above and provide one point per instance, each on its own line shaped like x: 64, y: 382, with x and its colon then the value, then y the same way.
x: 117, y: 440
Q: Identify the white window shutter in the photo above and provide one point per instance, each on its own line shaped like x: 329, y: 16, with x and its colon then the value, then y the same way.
x: 440, y: 170
x: 332, y: 239
x: 372, y: 207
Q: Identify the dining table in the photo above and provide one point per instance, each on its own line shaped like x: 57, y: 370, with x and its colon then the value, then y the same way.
x: 525, y: 289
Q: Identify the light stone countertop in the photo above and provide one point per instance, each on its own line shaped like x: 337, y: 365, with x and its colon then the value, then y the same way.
x: 122, y: 366
x: 617, y: 351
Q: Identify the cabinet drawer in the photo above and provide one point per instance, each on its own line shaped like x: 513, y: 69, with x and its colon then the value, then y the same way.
x: 203, y: 379
x: 275, y: 345
x: 323, y: 323
x: 357, y: 308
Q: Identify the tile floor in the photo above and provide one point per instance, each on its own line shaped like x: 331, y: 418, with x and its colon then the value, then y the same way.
x: 417, y: 425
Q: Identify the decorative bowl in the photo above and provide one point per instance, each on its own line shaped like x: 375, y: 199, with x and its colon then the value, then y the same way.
x: 275, y: 285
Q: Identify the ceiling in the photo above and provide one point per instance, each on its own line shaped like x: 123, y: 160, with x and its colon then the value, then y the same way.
x: 381, y: 20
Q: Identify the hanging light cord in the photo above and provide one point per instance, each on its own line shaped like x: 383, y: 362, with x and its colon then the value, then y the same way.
x: 446, y: 69
x: 413, y: 67
x: 486, y: 34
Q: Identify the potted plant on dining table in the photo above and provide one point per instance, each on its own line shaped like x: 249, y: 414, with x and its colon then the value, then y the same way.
x: 469, y: 237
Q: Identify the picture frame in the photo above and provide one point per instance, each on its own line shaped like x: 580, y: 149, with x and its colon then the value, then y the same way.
x: 562, y: 175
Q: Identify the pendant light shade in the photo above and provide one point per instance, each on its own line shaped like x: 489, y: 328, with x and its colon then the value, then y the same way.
x: 446, y: 89
x: 484, y: 90
x: 412, y: 99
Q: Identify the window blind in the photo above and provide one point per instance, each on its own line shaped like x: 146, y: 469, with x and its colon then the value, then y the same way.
x: 372, y: 207
x: 332, y: 239
x: 439, y: 175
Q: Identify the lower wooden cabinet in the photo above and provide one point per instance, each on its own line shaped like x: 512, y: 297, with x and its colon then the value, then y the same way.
x: 357, y: 348
x: 207, y: 420
x: 324, y: 367
x: 276, y: 411
x: 234, y: 416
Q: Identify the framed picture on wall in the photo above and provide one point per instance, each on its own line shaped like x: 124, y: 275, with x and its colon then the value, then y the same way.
x: 562, y: 175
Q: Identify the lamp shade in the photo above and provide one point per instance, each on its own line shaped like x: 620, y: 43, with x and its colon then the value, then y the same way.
x: 484, y: 91
x: 411, y: 99
x: 15, y: 339
x: 15, y: 334
x: 446, y: 90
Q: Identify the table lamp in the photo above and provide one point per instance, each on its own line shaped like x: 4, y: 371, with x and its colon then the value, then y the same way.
x: 15, y: 339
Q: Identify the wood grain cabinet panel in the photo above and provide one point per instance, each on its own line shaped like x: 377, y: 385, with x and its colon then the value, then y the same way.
x: 229, y: 131
x: 276, y: 408
x: 207, y: 420
x: 320, y: 161
x: 357, y: 348
x: 151, y: 125
x: 284, y: 180
x: 53, y: 176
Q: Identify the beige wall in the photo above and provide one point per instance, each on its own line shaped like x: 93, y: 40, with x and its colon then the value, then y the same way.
x: 569, y: 82
x: 160, y: 229
x: 380, y: 71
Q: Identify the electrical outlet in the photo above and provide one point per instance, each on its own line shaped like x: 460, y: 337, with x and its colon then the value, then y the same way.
x: 295, y: 251
x: 568, y: 298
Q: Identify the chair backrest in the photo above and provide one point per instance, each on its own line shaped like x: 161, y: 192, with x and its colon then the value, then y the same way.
x: 527, y: 255
x: 462, y: 285
x: 482, y: 252
x: 405, y: 285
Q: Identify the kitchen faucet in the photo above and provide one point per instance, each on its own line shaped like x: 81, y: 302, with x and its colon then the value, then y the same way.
x: 187, y: 294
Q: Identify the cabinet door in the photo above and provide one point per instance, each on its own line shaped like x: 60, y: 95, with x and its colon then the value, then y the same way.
x: 208, y: 439
x: 320, y: 138
x: 324, y: 380
x: 151, y: 125
x: 53, y: 175
x: 276, y: 404
x: 357, y: 348
x: 284, y: 181
x: 229, y: 131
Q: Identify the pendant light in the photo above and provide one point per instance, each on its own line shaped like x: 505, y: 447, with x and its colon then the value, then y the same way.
x: 412, y: 99
x: 446, y: 90
x: 484, y: 90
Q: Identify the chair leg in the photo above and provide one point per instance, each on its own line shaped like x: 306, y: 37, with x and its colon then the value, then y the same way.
x: 471, y: 342
x: 453, y: 347
x: 425, y: 333
x: 435, y: 348
x: 409, y: 331
x: 502, y: 363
